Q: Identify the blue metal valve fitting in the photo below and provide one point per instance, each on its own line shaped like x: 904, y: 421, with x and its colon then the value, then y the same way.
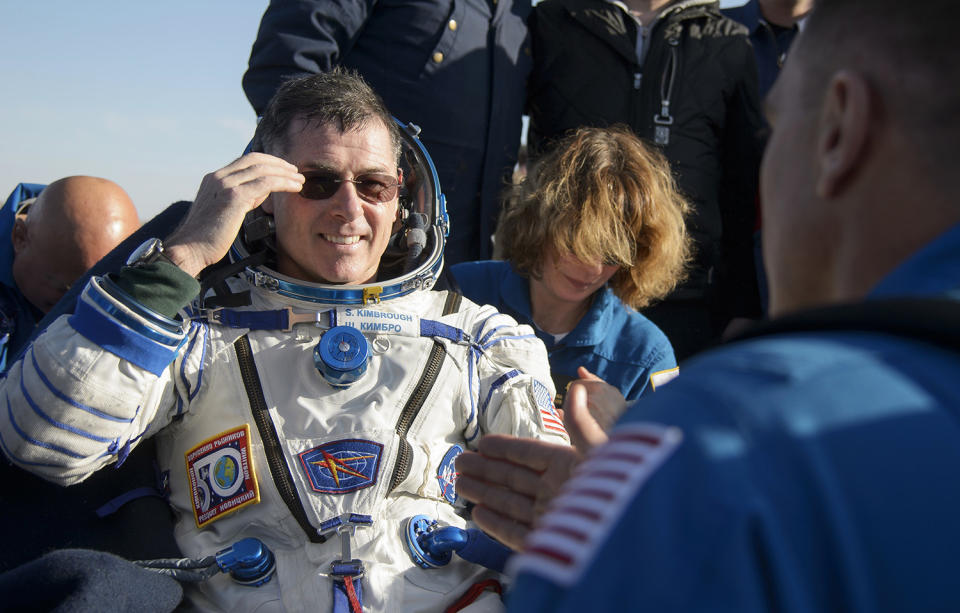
x: 248, y: 561
x: 341, y: 355
x: 431, y: 545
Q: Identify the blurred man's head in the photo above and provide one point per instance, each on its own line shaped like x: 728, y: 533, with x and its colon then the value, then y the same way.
x: 784, y: 13
x: 341, y: 137
x: 860, y: 168
x: 73, y: 223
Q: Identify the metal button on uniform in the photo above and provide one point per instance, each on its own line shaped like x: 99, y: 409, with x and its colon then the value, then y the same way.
x: 437, y: 57
x: 380, y: 344
x: 452, y: 24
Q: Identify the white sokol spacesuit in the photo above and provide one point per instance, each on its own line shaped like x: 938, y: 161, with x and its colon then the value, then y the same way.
x: 261, y: 439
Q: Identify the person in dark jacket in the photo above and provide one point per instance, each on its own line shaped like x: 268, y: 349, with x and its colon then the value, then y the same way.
x: 456, y: 69
x: 773, y: 24
x: 682, y: 77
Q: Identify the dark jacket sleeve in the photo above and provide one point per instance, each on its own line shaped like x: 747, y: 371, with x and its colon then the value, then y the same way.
x: 300, y: 37
x: 742, y: 148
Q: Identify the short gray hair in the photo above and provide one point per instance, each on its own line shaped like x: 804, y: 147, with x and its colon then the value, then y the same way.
x: 340, y: 98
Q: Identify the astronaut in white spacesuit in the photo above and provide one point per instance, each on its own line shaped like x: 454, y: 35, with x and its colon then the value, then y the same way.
x: 317, y: 399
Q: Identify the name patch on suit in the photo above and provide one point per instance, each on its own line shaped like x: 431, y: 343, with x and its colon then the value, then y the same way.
x: 221, y: 475
x: 342, y: 466
x: 375, y: 321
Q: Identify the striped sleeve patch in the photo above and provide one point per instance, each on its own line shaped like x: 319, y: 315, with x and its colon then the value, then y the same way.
x: 581, y: 517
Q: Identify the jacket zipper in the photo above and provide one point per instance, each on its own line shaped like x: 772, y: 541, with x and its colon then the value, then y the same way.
x: 664, y: 119
x: 410, y: 411
x: 671, y: 68
x: 271, y: 442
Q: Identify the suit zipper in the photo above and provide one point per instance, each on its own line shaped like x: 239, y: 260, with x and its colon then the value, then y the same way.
x: 410, y: 411
x: 271, y: 442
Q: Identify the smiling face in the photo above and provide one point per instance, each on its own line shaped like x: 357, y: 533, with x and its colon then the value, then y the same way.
x: 566, y: 279
x: 340, y: 239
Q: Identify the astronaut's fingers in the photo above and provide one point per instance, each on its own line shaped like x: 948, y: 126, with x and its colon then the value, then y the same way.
x: 605, y: 401
x: 507, y: 502
x: 603, y: 398
x: 535, y: 455
x: 513, y: 477
x: 508, y: 531
x: 581, y: 424
x: 586, y: 375
x: 554, y: 479
x: 252, y: 167
x: 251, y: 159
x: 246, y: 182
x: 224, y: 198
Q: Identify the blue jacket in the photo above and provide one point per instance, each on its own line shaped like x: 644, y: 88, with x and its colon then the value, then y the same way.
x: 613, y: 341
x: 17, y: 316
x: 17, y: 320
x: 812, y: 471
x: 456, y: 68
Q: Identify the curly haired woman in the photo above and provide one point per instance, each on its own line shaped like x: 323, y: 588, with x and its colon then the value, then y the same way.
x: 594, y: 232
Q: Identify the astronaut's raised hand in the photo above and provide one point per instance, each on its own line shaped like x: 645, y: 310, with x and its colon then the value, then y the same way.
x: 224, y: 198
x: 590, y: 408
x: 511, y: 480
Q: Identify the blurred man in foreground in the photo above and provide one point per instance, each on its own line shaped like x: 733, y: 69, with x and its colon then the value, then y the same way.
x: 809, y: 469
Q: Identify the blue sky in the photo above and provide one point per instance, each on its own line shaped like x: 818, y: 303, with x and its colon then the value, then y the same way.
x: 145, y: 94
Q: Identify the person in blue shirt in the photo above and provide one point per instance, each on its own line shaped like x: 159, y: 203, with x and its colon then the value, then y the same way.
x: 17, y: 316
x: 594, y: 232
x: 800, y: 471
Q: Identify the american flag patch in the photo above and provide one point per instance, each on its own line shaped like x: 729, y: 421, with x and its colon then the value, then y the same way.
x: 580, y: 518
x: 548, y: 413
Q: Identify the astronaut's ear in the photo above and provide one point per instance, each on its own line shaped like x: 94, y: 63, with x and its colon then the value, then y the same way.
x: 19, y: 236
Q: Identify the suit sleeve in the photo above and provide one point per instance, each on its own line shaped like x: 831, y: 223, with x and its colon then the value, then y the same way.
x: 92, y: 386
x: 301, y: 38
x: 514, y: 390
